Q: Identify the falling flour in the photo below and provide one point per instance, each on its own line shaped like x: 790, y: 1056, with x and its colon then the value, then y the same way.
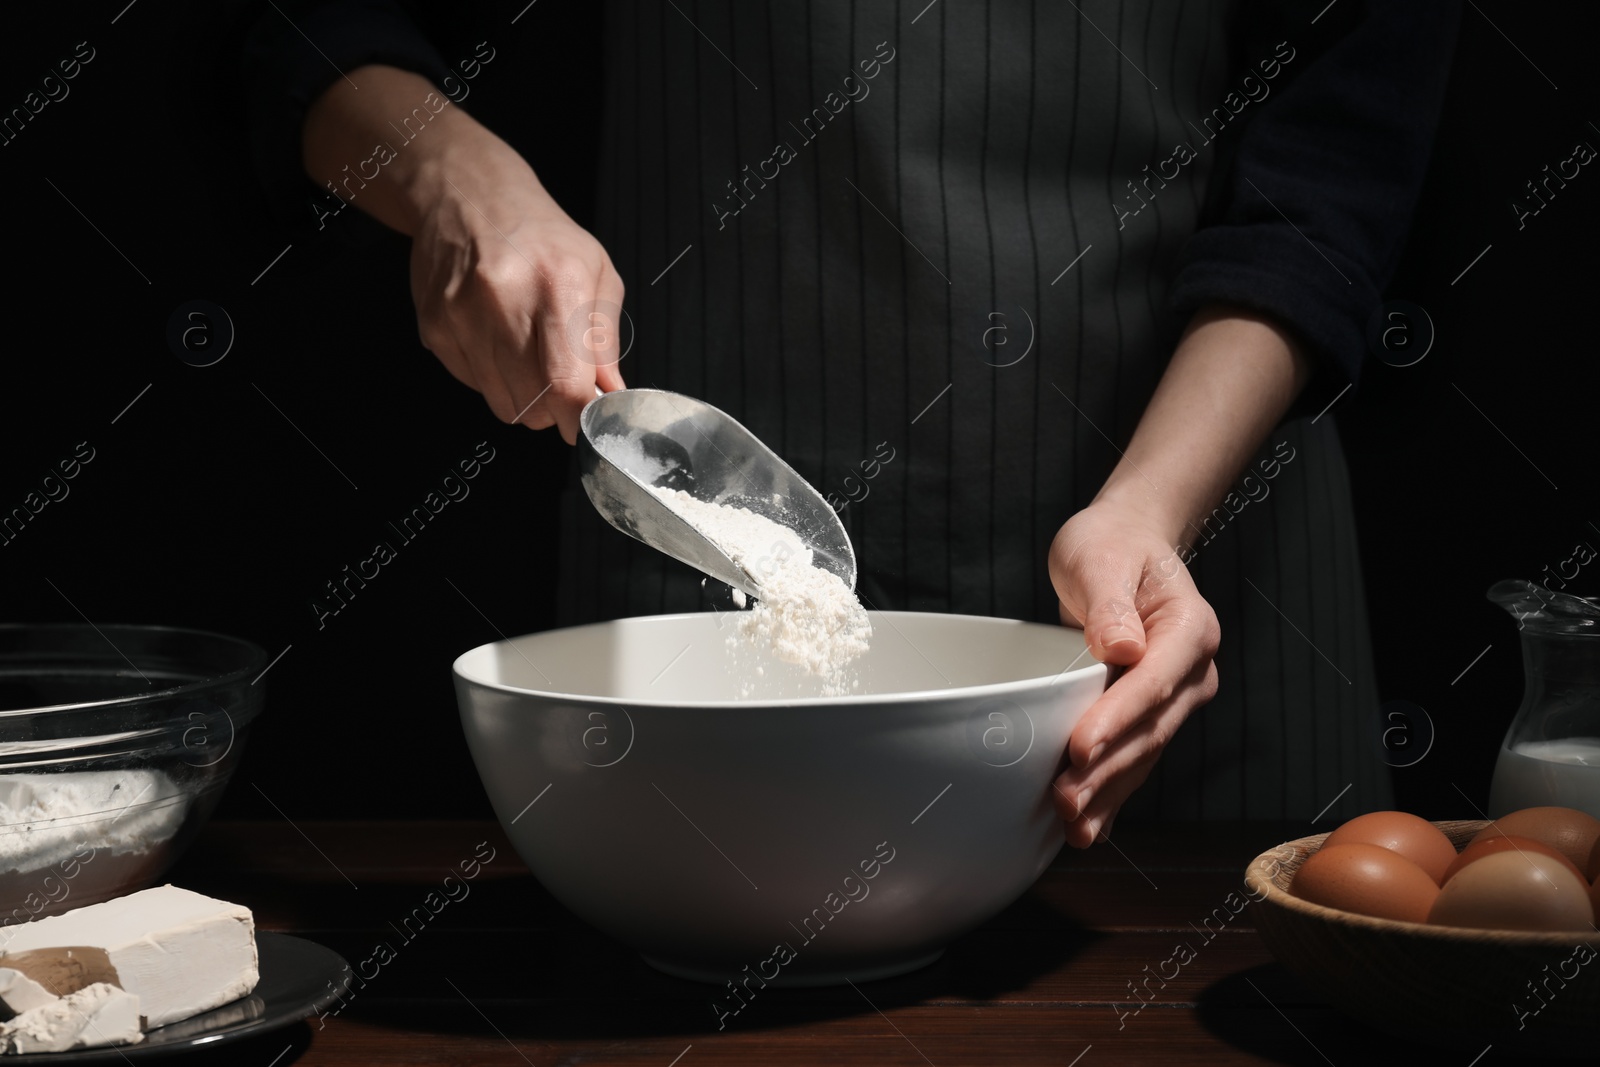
x: 805, y: 614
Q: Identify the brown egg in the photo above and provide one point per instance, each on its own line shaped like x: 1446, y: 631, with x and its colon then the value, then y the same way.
x: 1515, y: 891
x: 1488, y: 846
x: 1417, y: 839
x: 1571, y: 832
x: 1592, y: 870
x: 1367, y: 879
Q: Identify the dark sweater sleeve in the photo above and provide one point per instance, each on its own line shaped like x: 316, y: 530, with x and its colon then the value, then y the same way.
x: 1319, y: 198
x: 292, y: 53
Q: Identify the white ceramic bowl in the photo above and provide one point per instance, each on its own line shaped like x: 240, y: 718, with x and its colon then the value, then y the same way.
x: 818, y: 838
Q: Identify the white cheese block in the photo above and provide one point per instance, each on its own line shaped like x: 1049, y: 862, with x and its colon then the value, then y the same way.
x: 19, y: 993
x: 179, y: 952
x: 32, y: 979
x: 98, y: 1014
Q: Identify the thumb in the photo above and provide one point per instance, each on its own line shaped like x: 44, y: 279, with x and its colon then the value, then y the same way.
x: 1101, y: 602
x: 608, y: 378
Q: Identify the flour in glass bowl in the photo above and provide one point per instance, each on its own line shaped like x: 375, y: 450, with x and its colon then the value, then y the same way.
x: 45, y: 817
x: 805, y: 614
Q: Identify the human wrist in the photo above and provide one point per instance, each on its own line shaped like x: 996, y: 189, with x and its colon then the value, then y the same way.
x: 1231, y: 378
x: 399, y: 148
x: 1141, y: 505
x: 470, y: 166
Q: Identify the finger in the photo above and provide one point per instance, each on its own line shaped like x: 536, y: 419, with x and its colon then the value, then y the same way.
x: 1168, y: 667
x: 1088, y: 800
x: 531, y: 412
x: 1094, y: 795
x: 481, y: 309
x: 1123, y: 770
x: 1113, y: 629
x: 447, y: 351
x: 608, y: 366
x: 1099, y: 597
x: 1065, y: 794
x: 565, y: 344
x: 501, y: 400
x: 1095, y: 823
x: 436, y: 329
x: 609, y: 378
x: 514, y: 389
x: 478, y: 373
x: 1095, y: 827
x: 436, y: 332
x: 506, y: 337
x: 516, y: 364
x: 476, y: 347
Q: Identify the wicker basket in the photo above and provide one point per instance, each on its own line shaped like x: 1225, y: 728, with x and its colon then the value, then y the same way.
x: 1533, y: 992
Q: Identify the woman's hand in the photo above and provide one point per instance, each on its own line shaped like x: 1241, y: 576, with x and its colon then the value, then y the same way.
x: 516, y: 299
x: 1115, y: 564
x: 1120, y: 580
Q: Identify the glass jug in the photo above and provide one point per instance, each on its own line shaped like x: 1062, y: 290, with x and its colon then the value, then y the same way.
x: 1551, y: 753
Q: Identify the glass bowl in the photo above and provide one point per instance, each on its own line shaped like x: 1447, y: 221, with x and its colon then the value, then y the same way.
x: 116, y: 743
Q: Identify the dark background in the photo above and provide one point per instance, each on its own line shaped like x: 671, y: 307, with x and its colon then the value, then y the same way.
x: 204, y: 507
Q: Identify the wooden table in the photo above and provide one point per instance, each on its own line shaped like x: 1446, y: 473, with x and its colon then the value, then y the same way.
x: 505, y: 976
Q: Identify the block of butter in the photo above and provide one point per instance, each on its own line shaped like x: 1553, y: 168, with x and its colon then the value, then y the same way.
x: 180, y: 953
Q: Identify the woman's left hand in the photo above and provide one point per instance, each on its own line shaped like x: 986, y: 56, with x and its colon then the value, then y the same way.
x: 1121, y: 582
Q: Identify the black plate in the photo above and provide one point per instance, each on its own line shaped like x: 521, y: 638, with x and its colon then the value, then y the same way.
x: 298, y: 978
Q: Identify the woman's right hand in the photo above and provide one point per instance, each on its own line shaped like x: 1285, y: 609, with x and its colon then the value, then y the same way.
x: 517, y: 300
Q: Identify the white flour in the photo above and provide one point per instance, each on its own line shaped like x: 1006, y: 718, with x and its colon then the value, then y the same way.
x: 627, y: 453
x: 45, y: 817
x: 805, y: 614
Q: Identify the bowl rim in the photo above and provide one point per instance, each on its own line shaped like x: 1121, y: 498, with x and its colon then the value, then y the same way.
x: 255, y: 657
x: 993, y: 689
x: 1460, y: 831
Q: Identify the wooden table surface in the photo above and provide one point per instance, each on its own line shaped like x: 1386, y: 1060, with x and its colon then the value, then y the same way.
x: 505, y: 976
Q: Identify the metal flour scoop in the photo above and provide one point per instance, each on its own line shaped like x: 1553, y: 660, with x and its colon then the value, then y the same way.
x: 633, y: 439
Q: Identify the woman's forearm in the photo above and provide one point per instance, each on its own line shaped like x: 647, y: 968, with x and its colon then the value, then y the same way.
x: 508, y: 288
x: 389, y: 146
x: 1231, y: 379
